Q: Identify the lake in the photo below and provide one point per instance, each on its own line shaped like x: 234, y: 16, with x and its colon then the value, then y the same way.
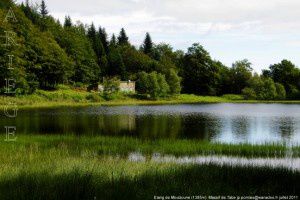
x: 227, y: 123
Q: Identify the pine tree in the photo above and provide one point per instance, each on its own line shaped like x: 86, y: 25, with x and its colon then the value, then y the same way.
x: 103, y: 38
x: 97, y: 45
x: 92, y: 32
x: 148, y: 45
x: 113, y: 41
x: 123, y: 39
x: 68, y: 22
x: 116, y: 64
x: 44, y: 11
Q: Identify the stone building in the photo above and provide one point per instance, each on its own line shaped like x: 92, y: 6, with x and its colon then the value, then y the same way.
x: 125, y: 86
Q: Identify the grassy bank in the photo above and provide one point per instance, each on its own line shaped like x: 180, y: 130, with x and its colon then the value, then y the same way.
x: 122, y: 146
x: 67, y: 167
x: 72, y: 97
x: 119, y: 179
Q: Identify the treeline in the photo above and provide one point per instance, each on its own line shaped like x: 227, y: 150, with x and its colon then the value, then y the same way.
x: 51, y: 52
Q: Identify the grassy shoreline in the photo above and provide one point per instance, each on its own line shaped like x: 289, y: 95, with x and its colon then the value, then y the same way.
x: 70, y: 167
x: 119, y: 179
x: 123, y: 146
x: 69, y: 97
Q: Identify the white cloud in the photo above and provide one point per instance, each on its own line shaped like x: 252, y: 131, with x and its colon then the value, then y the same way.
x: 216, y: 23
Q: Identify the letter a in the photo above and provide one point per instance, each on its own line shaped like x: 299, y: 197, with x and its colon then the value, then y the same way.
x: 10, y: 15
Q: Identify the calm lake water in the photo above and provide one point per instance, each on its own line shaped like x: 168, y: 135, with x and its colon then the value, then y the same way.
x: 228, y: 123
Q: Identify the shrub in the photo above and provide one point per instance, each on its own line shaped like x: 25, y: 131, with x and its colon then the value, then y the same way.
x: 111, y: 88
x: 62, y: 87
x: 111, y: 85
x: 174, y: 82
x: 249, y: 93
x: 79, y: 85
x: 163, y: 87
x: 280, y: 90
x: 112, y: 96
x: 153, y: 85
x: 93, y: 97
x: 267, y: 91
x: 142, y: 85
x: 264, y: 89
x: 294, y: 92
x: 233, y: 97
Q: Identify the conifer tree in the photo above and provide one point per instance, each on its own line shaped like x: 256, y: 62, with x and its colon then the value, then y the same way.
x: 123, y: 39
x: 148, y: 45
x: 116, y: 64
x: 92, y: 33
x: 103, y: 38
x: 44, y: 11
x: 68, y: 22
x: 97, y: 45
x: 113, y: 41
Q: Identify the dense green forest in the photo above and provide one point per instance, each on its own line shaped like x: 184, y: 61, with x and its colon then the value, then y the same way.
x: 49, y: 52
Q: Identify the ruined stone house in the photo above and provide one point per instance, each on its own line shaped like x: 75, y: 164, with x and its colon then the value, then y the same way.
x: 125, y: 86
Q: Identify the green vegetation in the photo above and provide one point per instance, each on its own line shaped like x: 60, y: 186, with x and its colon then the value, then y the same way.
x: 58, y: 64
x: 66, y: 96
x: 50, y: 53
x: 101, y: 145
x: 70, y: 167
x: 118, y: 179
x: 264, y: 89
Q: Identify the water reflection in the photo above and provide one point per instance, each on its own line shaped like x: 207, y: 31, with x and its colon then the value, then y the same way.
x: 288, y: 163
x: 230, y: 123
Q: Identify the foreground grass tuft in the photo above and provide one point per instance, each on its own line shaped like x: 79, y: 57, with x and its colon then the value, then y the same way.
x: 132, y: 181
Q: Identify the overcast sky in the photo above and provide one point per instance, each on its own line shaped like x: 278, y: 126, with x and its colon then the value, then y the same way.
x: 263, y: 31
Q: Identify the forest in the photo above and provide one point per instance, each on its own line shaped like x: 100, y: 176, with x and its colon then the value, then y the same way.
x: 48, y: 52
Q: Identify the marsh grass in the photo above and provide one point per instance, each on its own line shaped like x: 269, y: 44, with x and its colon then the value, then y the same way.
x: 71, y: 167
x: 119, y: 179
x: 122, y: 146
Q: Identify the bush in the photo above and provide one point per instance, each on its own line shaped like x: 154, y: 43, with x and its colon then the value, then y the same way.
x: 111, y: 85
x: 233, y: 97
x: 249, y: 93
x: 112, y: 96
x: 153, y: 85
x: 153, y: 89
x: 264, y: 89
x: 79, y: 85
x: 163, y: 87
x: 294, y: 92
x: 280, y: 90
x: 174, y: 82
x: 111, y: 88
x: 93, y: 97
x: 142, y: 85
x: 267, y: 91
x: 62, y: 87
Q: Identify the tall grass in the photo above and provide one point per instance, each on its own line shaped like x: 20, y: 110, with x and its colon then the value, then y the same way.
x: 103, y: 145
x: 71, y: 167
x: 120, y: 179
